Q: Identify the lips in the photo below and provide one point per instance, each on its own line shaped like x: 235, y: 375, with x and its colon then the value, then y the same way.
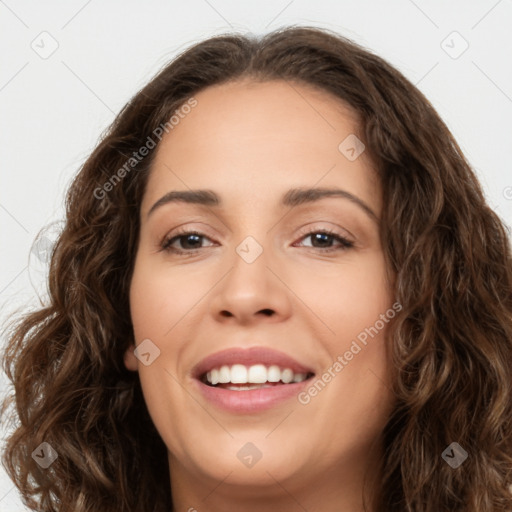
x: 250, y: 399
x: 249, y: 357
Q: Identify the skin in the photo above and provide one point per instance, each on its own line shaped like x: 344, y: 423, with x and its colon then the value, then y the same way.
x: 250, y: 143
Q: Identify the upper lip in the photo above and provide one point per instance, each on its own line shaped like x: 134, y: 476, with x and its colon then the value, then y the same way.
x: 248, y: 356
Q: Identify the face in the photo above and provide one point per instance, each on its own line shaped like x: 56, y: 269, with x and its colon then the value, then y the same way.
x: 301, y: 283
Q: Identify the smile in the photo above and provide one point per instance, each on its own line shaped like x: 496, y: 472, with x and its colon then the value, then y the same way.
x: 250, y: 380
x: 259, y: 375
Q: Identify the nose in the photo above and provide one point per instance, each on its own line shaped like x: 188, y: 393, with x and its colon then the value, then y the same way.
x: 251, y: 292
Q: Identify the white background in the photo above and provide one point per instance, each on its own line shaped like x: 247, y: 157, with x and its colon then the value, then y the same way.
x: 54, y: 109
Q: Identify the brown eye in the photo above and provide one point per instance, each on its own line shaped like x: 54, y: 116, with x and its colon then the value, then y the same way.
x: 322, y: 240
x: 190, y: 241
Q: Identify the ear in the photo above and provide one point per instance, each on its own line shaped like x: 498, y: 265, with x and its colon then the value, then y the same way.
x: 130, y: 361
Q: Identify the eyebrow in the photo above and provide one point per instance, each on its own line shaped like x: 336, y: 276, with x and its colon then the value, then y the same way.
x: 294, y: 197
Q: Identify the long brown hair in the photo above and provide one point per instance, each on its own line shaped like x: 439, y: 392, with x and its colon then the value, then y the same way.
x: 451, y: 344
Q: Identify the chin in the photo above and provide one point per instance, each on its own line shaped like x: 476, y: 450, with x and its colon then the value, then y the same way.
x: 247, y: 465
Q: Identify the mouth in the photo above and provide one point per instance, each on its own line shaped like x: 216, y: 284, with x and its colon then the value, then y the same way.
x: 239, y: 377
x: 250, y: 380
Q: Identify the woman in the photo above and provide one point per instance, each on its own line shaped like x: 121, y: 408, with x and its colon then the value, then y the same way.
x: 204, y: 350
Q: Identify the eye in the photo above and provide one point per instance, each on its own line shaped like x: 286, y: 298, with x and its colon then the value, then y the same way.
x: 190, y: 241
x: 324, y: 237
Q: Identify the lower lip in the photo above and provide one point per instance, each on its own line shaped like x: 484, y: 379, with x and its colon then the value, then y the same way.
x: 253, y: 400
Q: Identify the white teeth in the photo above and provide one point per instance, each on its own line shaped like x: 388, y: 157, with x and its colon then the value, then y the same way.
x: 274, y: 374
x: 287, y: 376
x: 224, y: 375
x: 238, y: 374
x: 255, y: 374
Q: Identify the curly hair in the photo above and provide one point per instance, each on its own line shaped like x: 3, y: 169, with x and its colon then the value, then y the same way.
x: 451, y: 255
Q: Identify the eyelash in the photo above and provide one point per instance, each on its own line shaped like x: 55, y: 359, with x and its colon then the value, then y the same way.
x: 168, y: 241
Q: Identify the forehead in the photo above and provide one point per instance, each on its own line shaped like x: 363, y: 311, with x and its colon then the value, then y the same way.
x: 249, y: 140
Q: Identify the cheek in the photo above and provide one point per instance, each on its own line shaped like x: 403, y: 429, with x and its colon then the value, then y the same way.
x: 158, y: 299
x: 346, y: 299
